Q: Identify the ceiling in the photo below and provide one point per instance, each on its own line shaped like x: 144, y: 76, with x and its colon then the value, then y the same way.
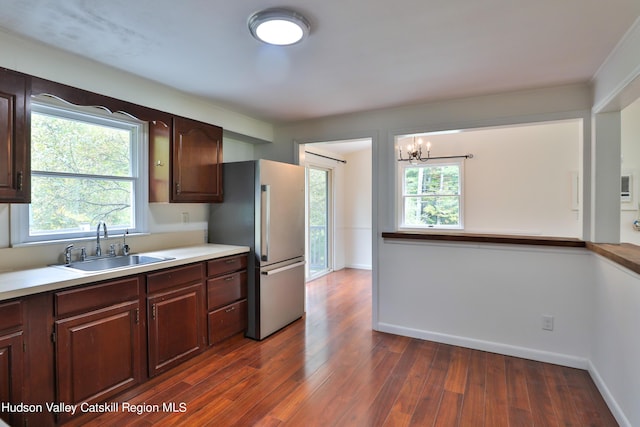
x: 360, y: 55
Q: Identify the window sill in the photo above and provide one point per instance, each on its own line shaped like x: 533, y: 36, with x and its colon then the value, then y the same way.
x: 488, y: 238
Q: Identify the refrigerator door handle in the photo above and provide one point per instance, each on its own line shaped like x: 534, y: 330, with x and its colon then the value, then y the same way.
x: 281, y: 269
x: 265, y: 222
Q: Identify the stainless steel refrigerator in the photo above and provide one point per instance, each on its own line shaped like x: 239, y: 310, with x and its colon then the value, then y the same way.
x: 264, y: 209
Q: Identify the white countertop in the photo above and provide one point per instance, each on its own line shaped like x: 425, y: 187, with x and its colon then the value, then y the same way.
x: 28, y: 282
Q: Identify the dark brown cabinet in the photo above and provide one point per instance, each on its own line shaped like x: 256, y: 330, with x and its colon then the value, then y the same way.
x: 86, y: 344
x: 185, y: 161
x: 11, y: 359
x: 176, y: 316
x: 99, y: 341
x: 226, y: 297
x: 15, y: 173
x: 196, y: 161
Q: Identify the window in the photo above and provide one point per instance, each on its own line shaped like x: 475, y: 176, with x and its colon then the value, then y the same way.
x: 87, y: 166
x: 431, y: 195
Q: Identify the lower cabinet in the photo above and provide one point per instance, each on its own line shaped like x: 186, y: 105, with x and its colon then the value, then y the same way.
x: 11, y: 359
x: 98, y: 341
x: 86, y: 344
x: 176, y: 316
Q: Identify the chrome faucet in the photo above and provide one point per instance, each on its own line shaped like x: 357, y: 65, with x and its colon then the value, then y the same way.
x: 104, y: 227
x: 67, y: 254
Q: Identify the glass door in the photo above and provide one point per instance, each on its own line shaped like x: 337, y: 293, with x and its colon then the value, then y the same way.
x: 318, y: 214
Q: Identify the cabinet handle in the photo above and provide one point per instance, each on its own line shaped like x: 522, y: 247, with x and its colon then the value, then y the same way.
x: 229, y: 310
x: 230, y: 261
x: 178, y: 187
x: 153, y: 311
x: 20, y: 178
x: 230, y: 278
x: 137, y: 316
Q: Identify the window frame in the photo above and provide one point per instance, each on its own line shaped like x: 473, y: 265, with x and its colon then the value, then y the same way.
x: 400, y: 201
x: 50, y: 105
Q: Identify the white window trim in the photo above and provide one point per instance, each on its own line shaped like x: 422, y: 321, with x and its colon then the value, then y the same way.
x: 19, y: 219
x: 400, y: 196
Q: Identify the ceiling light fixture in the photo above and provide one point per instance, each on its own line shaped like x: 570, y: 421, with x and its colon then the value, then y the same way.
x: 278, y: 26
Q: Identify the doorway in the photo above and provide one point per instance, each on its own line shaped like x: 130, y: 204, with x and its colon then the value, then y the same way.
x: 343, y: 189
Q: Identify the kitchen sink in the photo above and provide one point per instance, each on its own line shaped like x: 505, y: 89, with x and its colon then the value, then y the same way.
x: 108, y: 263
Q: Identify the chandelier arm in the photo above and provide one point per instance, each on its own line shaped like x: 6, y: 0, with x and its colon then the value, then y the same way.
x: 424, y: 159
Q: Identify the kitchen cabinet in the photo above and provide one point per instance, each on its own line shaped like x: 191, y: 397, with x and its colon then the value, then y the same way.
x: 98, y: 340
x: 11, y: 359
x: 15, y: 130
x: 226, y: 297
x: 185, y: 161
x: 91, y: 342
x: 176, y: 316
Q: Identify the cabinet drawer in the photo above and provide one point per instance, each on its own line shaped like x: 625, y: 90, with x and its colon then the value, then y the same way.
x: 226, y: 265
x: 226, y: 289
x: 175, y: 277
x: 10, y: 315
x: 96, y: 296
x: 227, y: 321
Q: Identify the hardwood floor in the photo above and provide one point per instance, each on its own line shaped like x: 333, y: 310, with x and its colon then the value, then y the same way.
x: 330, y: 368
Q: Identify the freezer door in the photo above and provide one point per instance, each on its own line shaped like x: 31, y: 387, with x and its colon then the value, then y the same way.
x: 281, y: 296
x: 281, y: 218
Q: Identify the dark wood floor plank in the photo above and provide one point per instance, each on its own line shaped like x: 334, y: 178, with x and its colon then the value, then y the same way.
x: 329, y: 401
x: 330, y: 368
x: 496, y: 405
x: 404, y: 406
x: 429, y: 402
x: 542, y: 409
x: 517, y: 393
x: 381, y: 405
x: 359, y: 396
x: 456, y: 379
x: 449, y: 411
x: 560, y: 397
x: 588, y: 404
x: 473, y: 405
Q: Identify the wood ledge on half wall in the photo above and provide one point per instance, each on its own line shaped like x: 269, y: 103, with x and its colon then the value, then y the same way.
x: 625, y: 254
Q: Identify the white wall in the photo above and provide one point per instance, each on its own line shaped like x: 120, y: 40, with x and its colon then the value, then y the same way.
x: 615, y: 343
x: 630, y: 141
x: 488, y: 296
x: 520, y: 178
x: 357, y: 226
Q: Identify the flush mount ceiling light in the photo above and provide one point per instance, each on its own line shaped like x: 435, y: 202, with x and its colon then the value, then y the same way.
x: 278, y: 26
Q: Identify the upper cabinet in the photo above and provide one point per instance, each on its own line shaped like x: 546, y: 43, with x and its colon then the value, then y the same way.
x: 185, y: 156
x: 185, y: 161
x: 15, y: 173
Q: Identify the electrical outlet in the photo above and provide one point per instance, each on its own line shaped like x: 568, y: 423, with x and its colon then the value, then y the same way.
x: 185, y: 217
x: 547, y: 322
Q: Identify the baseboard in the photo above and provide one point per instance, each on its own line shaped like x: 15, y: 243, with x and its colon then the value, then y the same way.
x: 359, y: 266
x: 492, y: 347
x: 615, y: 409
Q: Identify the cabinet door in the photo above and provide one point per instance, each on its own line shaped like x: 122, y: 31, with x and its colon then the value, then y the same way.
x: 11, y: 361
x: 196, y: 161
x: 176, y: 326
x: 98, y: 353
x: 15, y: 173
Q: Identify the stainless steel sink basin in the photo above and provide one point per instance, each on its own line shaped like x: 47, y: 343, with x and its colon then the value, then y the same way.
x: 109, y: 263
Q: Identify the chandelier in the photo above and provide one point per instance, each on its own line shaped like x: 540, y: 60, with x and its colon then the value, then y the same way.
x: 414, y: 153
